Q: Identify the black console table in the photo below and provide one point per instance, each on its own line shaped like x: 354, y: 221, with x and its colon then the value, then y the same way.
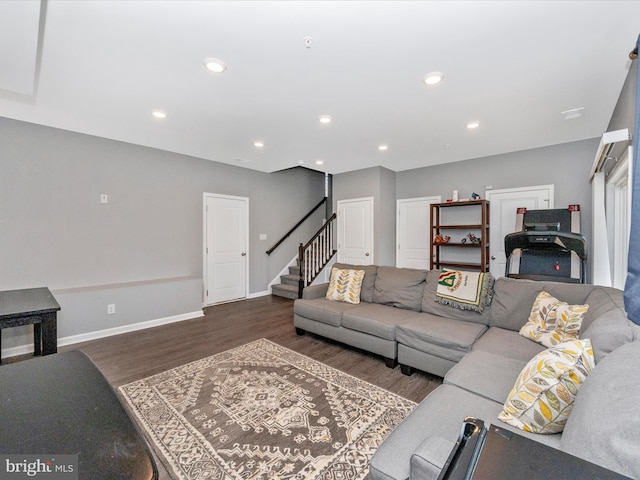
x: 35, y: 306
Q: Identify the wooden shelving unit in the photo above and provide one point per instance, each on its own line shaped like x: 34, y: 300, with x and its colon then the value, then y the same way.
x: 457, y: 220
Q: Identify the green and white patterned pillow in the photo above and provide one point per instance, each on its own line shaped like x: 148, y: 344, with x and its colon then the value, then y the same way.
x: 345, y: 285
x: 542, y: 397
x: 552, y: 321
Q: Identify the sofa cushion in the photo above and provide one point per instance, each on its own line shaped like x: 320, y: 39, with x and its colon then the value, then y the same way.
x: 573, y: 293
x: 601, y: 300
x: 431, y: 305
x: 508, y: 343
x: 366, y: 292
x: 603, y: 427
x: 322, y: 310
x: 543, y: 395
x: 486, y: 374
x: 345, y: 285
x: 513, y: 299
x: 375, y: 319
x: 553, y: 321
x: 399, y: 287
x: 610, y: 331
x: 512, y: 302
x: 444, y: 337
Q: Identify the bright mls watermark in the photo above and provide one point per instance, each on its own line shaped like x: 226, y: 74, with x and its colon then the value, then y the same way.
x: 50, y: 467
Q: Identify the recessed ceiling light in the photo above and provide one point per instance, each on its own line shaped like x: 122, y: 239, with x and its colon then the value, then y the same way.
x: 214, y: 65
x: 159, y: 113
x: 325, y: 119
x: 258, y: 144
x: 472, y: 125
x: 433, y: 78
x: 382, y: 148
x: 319, y: 162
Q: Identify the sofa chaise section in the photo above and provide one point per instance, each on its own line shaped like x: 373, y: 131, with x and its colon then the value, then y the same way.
x: 435, y: 344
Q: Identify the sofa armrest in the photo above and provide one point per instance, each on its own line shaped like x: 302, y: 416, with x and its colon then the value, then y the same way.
x: 315, y: 291
x: 429, y: 458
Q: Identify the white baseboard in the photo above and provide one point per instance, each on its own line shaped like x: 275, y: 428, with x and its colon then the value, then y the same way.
x: 264, y: 293
x: 85, y: 337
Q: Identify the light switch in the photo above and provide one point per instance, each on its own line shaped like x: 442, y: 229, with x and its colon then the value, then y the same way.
x: 263, y: 236
x: 104, y: 198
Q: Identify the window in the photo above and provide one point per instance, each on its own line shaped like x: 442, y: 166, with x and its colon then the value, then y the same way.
x: 618, y: 193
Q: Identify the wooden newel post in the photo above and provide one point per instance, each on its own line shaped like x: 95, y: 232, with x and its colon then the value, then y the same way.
x: 302, y: 270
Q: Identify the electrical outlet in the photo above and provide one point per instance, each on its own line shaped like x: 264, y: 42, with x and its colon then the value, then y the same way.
x: 111, y: 309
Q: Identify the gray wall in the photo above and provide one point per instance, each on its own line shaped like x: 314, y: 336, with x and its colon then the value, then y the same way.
x: 624, y: 113
x: 566, y: 166
x: 379, y: 183
x: 142, y: 250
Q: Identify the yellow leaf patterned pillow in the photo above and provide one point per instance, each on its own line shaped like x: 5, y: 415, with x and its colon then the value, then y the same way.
x: 542, y: 397
x: 552, y: 322
x: 345, y: 285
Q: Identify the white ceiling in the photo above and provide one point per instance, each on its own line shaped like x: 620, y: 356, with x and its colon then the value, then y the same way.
x: 514, y: 66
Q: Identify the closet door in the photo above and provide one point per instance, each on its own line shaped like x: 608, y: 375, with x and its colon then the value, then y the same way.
x: 355, y: 231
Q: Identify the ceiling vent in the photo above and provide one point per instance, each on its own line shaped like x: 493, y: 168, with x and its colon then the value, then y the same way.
x: 611, y: 146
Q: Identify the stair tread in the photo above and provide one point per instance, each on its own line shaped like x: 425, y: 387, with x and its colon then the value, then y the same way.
x: 286, y: 291
x: 283, y: 286
x: 290, y: 277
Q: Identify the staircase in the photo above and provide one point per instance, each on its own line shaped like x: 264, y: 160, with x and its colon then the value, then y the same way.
x: 312, y: 258
x: 288, y: 286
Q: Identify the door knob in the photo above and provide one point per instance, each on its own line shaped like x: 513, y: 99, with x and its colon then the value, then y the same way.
x: 493, y: 257
x: 244, y: 254
x: 366, y: 254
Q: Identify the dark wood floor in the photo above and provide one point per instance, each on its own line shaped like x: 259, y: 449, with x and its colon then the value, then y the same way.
x: 132, y: 356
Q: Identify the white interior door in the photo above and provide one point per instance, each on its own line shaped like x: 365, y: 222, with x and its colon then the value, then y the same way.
x: 226, y: 246
x: 503, y: 209
x: 413, y: 232
x: 355, y: 231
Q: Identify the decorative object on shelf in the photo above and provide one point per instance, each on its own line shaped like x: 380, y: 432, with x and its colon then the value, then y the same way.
x: 455, y: 195
x: 441, y: 239
x: 475, y: 196
x: 472, y: 238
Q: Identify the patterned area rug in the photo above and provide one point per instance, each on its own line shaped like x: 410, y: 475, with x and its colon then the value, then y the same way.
x: 261, y: 411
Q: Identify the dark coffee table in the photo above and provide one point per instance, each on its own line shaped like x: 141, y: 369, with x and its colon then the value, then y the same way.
x: 62, y: 405
x: 35, y: 306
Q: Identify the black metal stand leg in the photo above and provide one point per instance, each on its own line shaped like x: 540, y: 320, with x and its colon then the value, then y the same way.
x: 37, y: 339
x: 49, y: 334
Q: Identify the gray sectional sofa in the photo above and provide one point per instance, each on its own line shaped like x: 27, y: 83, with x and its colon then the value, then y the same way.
x: 480, y: 356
